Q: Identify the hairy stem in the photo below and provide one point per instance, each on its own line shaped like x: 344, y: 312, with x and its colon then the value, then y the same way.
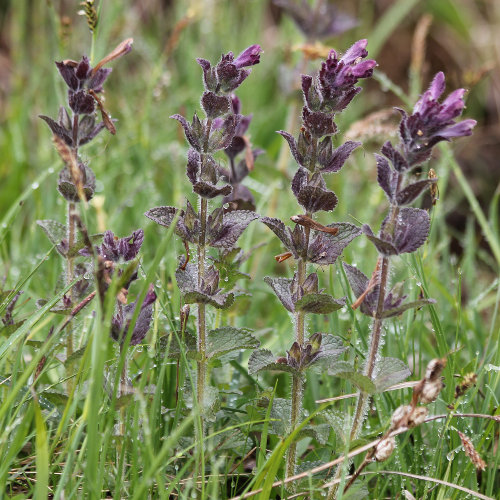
x: 201, y: 330
x: 300, y: 328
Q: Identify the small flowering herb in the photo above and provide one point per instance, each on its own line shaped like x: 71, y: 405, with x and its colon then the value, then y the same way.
x: 325, y: 95
x: 76, y: 182
x: 404, y: 229
x: 200, y: 283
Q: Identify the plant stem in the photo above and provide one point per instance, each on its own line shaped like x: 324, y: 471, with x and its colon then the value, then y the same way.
x: 201, y: 324
x: 300, y: 327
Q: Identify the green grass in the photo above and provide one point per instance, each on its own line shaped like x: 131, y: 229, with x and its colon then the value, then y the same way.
x: 93, y: 442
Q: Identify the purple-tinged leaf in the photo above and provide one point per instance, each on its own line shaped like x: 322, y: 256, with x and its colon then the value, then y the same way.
x: 339, y: 156
x: 222, y: 137
x: 67, y: 187
x: 299, y: 181
x: 412, y: 229
x: 209, y: 191
x: 317, y: 123
x: 386, y: 177
x: 384, y: 247
x: 233, y: 224
x: 319, y: 303
x: 193, y: 137
x: 58, y: 129
x: 325, y: 248
x: 359, y: 282
x: 299, y: 158
x: 395, y: 157
x: 396, y: 311
x: 214, y: 105
x: 282, y: 289
x: 413, y: 191
x: 281, y: 231
x: 314, y: 199
x: 163, y: 216
x: 55, y: 231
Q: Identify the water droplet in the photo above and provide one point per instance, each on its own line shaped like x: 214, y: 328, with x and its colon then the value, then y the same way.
x: 35, y: 185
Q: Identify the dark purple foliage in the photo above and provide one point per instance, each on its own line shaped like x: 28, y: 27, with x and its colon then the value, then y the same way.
x: 119, y: 249
x: 120, y: 323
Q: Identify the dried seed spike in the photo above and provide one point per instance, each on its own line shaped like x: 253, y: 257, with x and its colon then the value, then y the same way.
x: 471, y: 452
x: 306, y: 221
x: 121, y: 49
x: 108, y: 122
x: 282, y: 257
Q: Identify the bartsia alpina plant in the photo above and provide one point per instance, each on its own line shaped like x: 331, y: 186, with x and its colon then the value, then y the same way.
x: 76, y: 183
x: 404, y: 229
x: 325, y: 95
x: 199, y: 279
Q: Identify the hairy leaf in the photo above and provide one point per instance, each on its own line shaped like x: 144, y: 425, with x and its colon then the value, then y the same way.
x: 346, y: 371
x: 282, y: 289
x: 384, y: 247
x: 319, y: 303
x: 389, y: 313
x: 170, y: 348
x: 229, y: 339
x: 263, y: 359
x: 413, y: 191
x: 325, y: 248
x: 219, y: 300
x: 386, y: 177
x: 233, y: 224
x: 390, y: 371
x: 411, y: 230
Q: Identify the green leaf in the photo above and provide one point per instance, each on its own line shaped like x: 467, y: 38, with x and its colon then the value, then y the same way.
x: 210, y: 404
x: 56, y: 398
x: 219, y: 301
x: 320, y: 432
x: 75, y: 356
x: 8, y: 330
x: 337, y: 421
x: 124, y: 400
x: 331, y: 348
x: 171, y: 348
x: 389, y: 313
x: 227, y: 339
x: 263, y: 359
x: 346, y: 371
x: 390, y: 371
x: 280, y: 415
x: 319, y: 303
x: 42, y: 455
x: 55, y: 231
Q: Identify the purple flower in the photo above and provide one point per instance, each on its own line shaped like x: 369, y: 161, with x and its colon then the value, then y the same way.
x: 228, y: 75
x: 116, y: 249
x: 80, y: 77
x: 338, y: 77
x: 121, y: 320
x: 249, y: 57
x: 432, y: 121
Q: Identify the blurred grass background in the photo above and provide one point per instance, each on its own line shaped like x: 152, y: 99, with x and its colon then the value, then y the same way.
x: 144, y: 164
